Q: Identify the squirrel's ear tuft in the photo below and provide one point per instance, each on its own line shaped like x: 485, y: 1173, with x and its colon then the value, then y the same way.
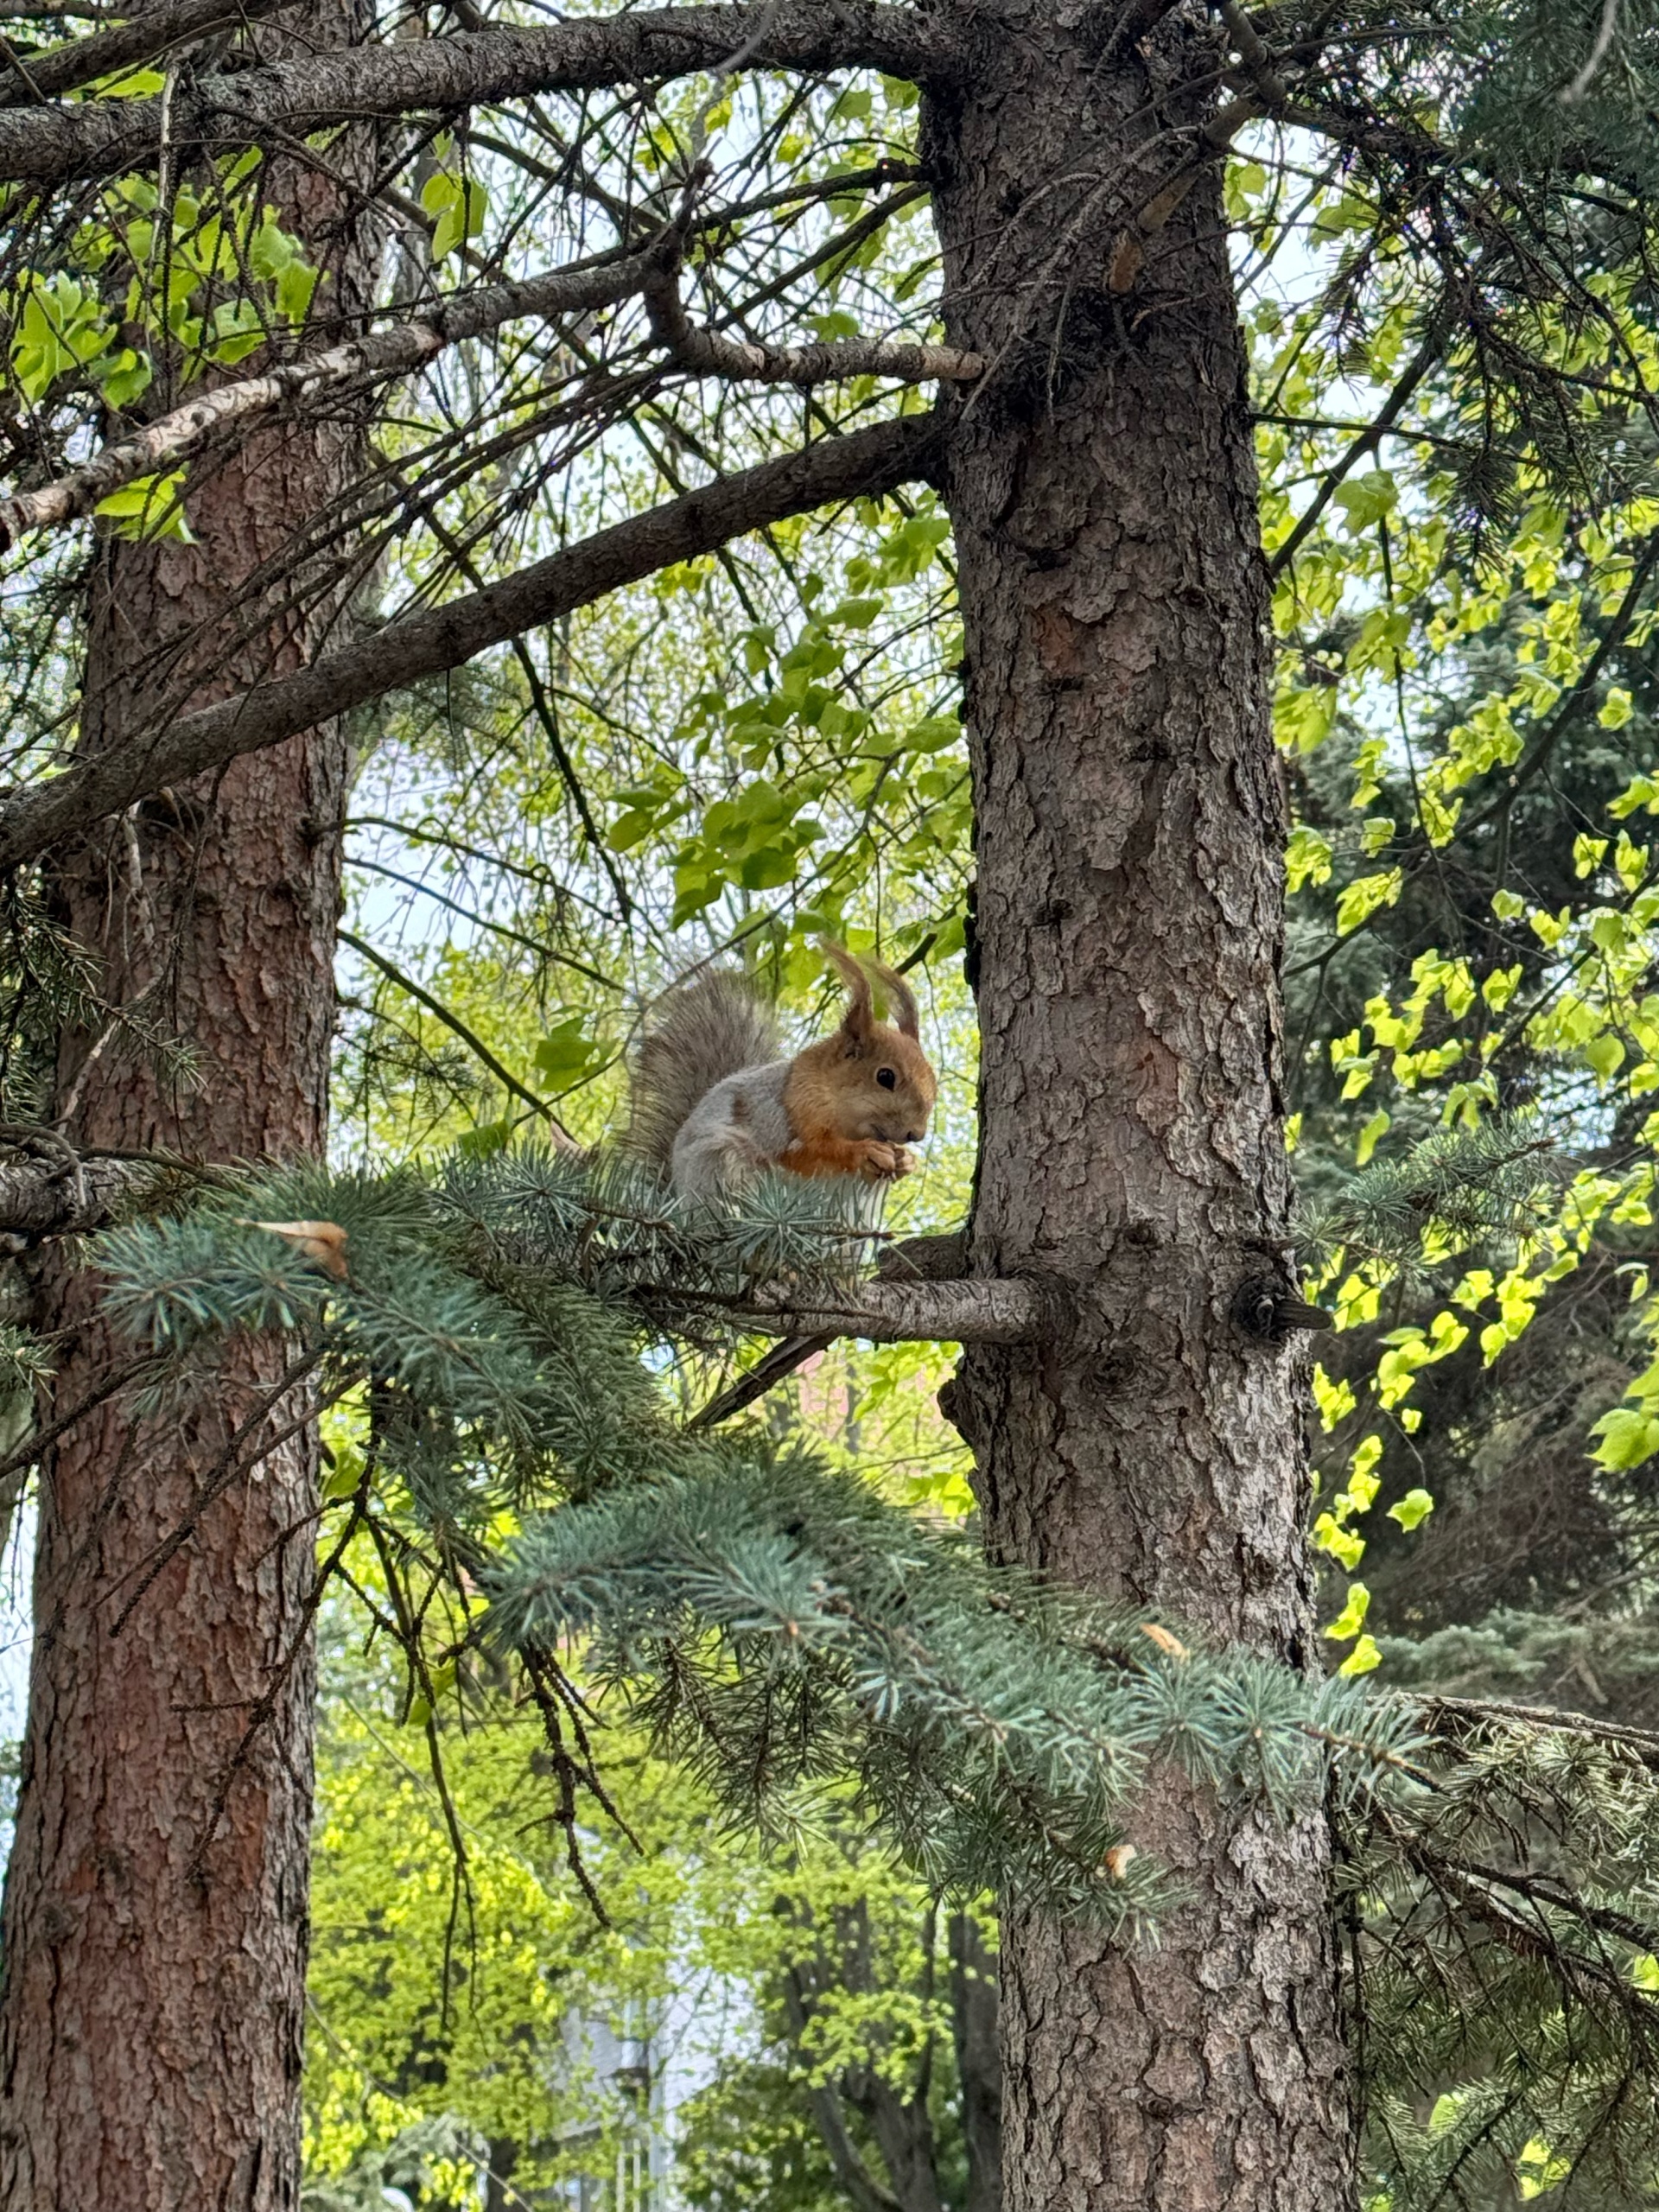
x: 859, y: 1020
x: 901, y: 1001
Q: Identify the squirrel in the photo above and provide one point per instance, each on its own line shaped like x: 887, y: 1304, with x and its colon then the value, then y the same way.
x: 715, y: 1102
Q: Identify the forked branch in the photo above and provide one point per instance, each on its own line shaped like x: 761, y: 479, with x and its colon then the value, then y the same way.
x: 176, y: 437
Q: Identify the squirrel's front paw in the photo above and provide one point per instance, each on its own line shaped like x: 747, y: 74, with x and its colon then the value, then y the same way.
x: 883, y: 1163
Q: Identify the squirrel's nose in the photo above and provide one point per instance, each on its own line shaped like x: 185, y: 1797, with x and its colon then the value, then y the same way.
x: 913, y: 1136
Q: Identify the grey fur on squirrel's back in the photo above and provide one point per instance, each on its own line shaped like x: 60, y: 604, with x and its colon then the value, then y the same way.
x: 698, y: 1035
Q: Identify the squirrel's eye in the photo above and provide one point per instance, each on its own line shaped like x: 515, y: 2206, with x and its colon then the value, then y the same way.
x: 887, y: 1078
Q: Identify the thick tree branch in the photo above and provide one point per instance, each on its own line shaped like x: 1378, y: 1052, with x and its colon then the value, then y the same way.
x: 1258, y: 59
x: 183, y: 431
x: 173, y: 437
x: 867, y: 463
x: 1012, y: 1311
x: 47, y: 1189
x: 152, y: 32
x: 224, y: 114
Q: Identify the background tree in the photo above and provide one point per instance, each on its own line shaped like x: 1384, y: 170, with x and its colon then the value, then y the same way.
x: 155, y: 1933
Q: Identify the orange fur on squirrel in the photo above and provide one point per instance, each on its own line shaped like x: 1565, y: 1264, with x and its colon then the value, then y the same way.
x: 859, y: 1100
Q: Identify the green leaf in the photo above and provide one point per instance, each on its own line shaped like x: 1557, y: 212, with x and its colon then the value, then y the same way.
x: 149, y: 507
x: 1375, y: 1129
x: 1307, y: 859
x: 237, y: 331
x: 460, y: 205
x: 295, y: 285
x: 568, y: 1052
x: 1587, y: 854
x: 1605, y: 1055
x: 1344, y: 1546
x: 630, y: 829
x: 270, y: 249
x: 1415, y: 1507
x: 1628, y: 1436
x: 1366, y: 499
x: 345, y: 1475
x: 769, y: 870
x: 1538, y: 2170
x: 1364, y: 1659
x: 1365, y: 896
x: 489, y: 1137
x: 124, y: 377
x: 854, y: 613
x: 1350, y: 1621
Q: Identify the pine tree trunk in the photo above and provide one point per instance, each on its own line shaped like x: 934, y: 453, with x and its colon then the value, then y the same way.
x: 155, y: 1911
x: 1127, y: 929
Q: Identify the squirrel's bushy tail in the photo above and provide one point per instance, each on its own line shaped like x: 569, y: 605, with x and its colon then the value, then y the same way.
x: 696, y: 1036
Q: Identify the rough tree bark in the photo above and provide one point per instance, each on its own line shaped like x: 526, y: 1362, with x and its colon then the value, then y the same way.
x: 155, y: 1911
x: 1128, y: 917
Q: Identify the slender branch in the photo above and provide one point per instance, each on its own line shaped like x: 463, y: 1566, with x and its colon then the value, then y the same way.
x: 1419, y: 366
x: 867, y: 463
x: 1643, y: 1744
x: 545, y: 714
x: 773, y: 1368
x: 221, y: 113
x: 219, y: 1478
x: 537, y: 946
x: 173, y: 437
x: 1571, y: 95
x: 113, y: 1382
x: 562, y: 1140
